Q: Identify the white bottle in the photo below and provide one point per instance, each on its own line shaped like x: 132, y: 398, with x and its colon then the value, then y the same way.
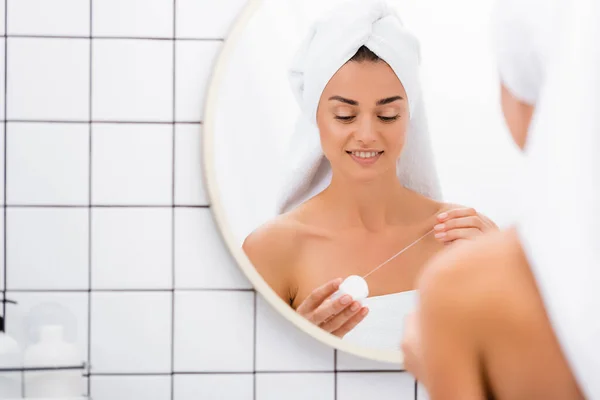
x: 10, y: 358
x: 53, y: 351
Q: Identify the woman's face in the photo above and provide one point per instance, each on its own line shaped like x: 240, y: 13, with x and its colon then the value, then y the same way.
x: 362, y: 118
x: 517, y: 116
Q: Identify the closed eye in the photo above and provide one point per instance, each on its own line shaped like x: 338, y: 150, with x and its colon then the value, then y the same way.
x: 344, y: 118
x: 389, y: 119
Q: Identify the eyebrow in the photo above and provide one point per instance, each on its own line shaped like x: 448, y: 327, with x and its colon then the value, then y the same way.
x: 381, y: 102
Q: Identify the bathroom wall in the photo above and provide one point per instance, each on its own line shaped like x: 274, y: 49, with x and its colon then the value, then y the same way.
x: 106, y: 215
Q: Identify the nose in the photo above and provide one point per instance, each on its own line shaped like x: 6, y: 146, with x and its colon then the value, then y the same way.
x: 365, y: 131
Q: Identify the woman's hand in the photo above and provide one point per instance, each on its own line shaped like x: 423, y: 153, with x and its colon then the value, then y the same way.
x: 338, y: 316
x: 411, y: 347
x: 462, y: 224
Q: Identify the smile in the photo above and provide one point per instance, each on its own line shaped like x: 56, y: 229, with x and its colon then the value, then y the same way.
x: 365, y: 157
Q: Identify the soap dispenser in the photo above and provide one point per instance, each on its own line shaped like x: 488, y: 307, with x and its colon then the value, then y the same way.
x: 52, y: 350
x: 11, y: 363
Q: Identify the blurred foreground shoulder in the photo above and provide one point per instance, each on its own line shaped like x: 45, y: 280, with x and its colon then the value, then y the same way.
x: 470, y: 274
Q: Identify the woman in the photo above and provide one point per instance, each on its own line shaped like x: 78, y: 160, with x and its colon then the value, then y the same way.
x: 362, y: 185
x: 515, y: 315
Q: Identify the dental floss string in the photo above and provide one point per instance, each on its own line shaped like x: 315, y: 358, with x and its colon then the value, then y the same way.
x: 397, y: 254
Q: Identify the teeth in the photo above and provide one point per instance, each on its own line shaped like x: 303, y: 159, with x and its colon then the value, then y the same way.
x: 365, y: 154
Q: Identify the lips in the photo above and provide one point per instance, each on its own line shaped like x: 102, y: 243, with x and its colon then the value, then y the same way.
x: 365, y: 157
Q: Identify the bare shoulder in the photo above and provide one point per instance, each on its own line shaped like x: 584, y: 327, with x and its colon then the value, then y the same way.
x: 273, y: 249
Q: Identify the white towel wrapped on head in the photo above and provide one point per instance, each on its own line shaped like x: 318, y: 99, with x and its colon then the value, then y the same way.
x: 331, y: 42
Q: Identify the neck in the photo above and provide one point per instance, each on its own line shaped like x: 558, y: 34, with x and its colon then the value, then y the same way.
x: 372, y: 205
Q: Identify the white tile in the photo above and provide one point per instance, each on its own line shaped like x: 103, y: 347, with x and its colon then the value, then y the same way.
x: 2, y: 133
x: 2, y: 68
x: 214, y: 386
x: 281, y: 346
x: 2, y: 16
x: 206, y: 18
x: 291, y: 386
x: 214, y: 331
x: 132, y: 164
x: 189, y: 180
x: 194, y: 67
x: 44, y: 17
x: 2, y: 266
x: 47, y: 163
x: 130, y: 387
x: 47, y: 248
x: 131, y: 332
x: 131, y: 248
x: 422, y: 393
x: 201, y: 259
x: 33, y: 310
x: 48, y: 79
x: 349, y: 362
x: 133, y: 18
x: 375, y: 385
x: 132, y: 80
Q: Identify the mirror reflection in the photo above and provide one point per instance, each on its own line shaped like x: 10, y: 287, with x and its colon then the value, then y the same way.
x: 335, y: 194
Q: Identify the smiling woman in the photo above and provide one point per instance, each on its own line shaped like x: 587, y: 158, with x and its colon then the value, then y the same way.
x: 361, y: 184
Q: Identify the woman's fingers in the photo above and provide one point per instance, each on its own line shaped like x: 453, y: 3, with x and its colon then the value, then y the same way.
x: 457, y: 213
x: 463, y: 222
x: 337, y: 321
x: 318, y: 296
x: 330, y: 308
x: 457, y: 234
x: 351, y: 323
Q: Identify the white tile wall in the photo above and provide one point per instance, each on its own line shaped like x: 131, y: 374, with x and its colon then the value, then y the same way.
x: 130, y: 387
x: 295, y: 386
x: 189, y: 185
x: 214, y: 331
x: 47, y: 163
x: 43, y: 17
x: 131, y: 332
x: 131, y: 248
x: 132, y: 80
x: 132, y: 164
x: 47, y: 248
x: 201, y: 258
x: 205, y: 19
x: 375, y: 385
x: 48, y: 79
x: 214, y: 386
x: 194, y: 62
x: 133, y: 18
x: 115, y: 122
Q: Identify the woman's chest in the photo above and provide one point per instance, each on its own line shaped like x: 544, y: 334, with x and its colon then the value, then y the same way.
x: 399, y: 262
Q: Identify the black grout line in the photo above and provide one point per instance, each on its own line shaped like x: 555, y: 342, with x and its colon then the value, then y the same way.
x: 103, y: 205
x: 5, y: 267
x: 173, y: 94
x: 254, y: 348
x: 90, y: 121
x: 300, y: 372
x: 90, y: 138
x: 104, y: 37
x: 335, y: 389
x: 133, y: 290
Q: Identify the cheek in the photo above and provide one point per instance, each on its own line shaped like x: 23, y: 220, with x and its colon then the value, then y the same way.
x: 333, y: 136
x: 395, y: 137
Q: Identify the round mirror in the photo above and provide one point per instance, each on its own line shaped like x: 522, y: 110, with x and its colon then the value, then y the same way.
x: 328, y: 155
